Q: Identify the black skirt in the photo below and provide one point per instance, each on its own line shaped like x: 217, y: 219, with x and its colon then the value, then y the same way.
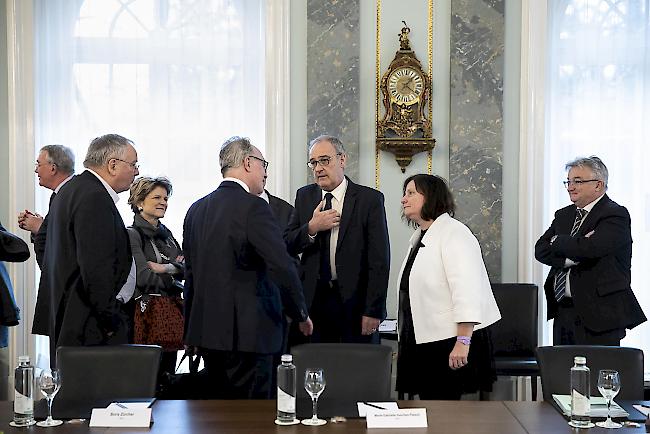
x: 423, y: 369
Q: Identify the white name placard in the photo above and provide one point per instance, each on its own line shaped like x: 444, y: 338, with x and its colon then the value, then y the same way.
x: 122, y: 417
x: 403, y: 418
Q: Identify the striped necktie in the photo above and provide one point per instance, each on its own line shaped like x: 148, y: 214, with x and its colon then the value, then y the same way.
x: 561, y: 276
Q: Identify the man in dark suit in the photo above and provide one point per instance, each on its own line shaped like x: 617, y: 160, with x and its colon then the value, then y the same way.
x: 239, y: 279
x: 340, y: 229
x: 88, y: 257
x: 589, y: 249
x: 54, y: 167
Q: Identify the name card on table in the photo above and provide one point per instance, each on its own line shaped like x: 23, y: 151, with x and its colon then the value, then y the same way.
x: 403, y: 418
x: 121, y: 417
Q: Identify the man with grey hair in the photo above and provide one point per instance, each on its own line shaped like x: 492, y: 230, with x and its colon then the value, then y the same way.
x: 54, y: 167
x: 589, y: 249
x: 239, y: 279
x: 340, y: 230
x: 88, y: 263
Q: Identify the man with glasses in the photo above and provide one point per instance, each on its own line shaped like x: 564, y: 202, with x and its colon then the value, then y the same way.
x: 54, y: 167
x: 87, y: 262
x: 589, y: 249
x: 340, y: 229
x: 239, y: 279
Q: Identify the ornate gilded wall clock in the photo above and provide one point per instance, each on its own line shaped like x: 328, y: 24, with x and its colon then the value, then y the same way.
x: 405, y: 129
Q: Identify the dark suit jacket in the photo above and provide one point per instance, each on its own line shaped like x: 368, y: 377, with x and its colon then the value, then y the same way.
x: 600, y: 283
x: 87, y: 260
x: 362, y: 252
x: 238, y: 275
x: 281, y: 210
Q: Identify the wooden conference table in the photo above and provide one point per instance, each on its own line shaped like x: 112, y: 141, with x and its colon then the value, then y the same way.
x: 448, y: 417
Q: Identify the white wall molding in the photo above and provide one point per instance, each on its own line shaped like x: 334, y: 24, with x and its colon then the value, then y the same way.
x: 277, y: 113
x: 531, y: 153
x: 20, y: 108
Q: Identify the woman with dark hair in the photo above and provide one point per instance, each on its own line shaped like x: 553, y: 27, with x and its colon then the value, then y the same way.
x: 158, y: 256
x: 445, y: 300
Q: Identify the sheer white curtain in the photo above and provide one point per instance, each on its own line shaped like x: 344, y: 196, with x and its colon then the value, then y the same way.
x: 598, y: 103
x: 175, y: 76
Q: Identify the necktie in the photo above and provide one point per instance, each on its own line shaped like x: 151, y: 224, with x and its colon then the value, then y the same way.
x: 51, y: 199
x: 325, y: 271
x: 561, y: 276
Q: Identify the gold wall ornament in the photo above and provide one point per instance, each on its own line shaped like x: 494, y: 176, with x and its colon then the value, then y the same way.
x: 405, y: 129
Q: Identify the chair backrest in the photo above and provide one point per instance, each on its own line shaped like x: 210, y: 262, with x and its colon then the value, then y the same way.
x: 515, y: 335
x: 555, y: 364
x: 96, y: 376
x: 353, y: 372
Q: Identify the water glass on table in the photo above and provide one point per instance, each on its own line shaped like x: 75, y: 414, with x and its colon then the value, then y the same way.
x: 49, y: 382
x: 609, y: 384
x: 314, y: 385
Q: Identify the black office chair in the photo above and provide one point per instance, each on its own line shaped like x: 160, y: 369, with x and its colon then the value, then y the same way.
x: 353, y: 373
x: 93, y: 377
x: 555, y: 365
x: 514, y: 337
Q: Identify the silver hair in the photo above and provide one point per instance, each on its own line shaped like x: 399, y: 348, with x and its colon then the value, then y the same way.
x: 594, y: 163
x: 61, y: 156
x: 105, y: 147
x: 338, y: 145
x: 233, y: 151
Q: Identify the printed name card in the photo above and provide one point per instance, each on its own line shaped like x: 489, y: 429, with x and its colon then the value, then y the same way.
x: 403, y: 418
x: 121, y: 417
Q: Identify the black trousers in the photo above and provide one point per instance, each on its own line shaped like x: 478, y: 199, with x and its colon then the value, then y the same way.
x: 335, y: 321
x: 568, y: 329
x: 237, y: 374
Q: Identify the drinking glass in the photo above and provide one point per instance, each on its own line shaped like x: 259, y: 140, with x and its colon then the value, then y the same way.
x: 609, y: 385
x: 49, y: 382
x: 314, y: 385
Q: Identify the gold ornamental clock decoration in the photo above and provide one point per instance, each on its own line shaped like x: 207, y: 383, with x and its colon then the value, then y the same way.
x: 405, y: 129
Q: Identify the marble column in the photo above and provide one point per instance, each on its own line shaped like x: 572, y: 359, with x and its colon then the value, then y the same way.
x: 476, y: 122
x: 333, y: 74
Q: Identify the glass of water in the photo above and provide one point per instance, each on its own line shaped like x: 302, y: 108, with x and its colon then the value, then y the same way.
x: 314, y: 385
x: 609, y: 385
x: 49, y: 382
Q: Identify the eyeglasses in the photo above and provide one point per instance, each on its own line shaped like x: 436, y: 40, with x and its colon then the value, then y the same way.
x: 264, y: 162
x: 43, y: 164
x: 323, y: 161
x: 578, y: 182
x: 135, y: 165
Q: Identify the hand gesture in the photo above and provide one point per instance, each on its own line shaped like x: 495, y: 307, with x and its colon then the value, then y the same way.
x: 306, y: 327
x: 29, y: 221
x: 323, y: 220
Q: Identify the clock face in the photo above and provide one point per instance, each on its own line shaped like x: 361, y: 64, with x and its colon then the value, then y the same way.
x: 405, y: 85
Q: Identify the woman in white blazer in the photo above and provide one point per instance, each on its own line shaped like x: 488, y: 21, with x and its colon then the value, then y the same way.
x: 445, y: 300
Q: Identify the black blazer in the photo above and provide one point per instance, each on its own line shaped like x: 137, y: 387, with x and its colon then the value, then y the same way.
x: 281, y: 210
x: 600, y: 283
x: 86, y: 262
x: 238, y: 276
x: 362, y: 252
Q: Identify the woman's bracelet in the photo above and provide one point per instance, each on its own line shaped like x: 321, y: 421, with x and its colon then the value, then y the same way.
x: 465, y: 340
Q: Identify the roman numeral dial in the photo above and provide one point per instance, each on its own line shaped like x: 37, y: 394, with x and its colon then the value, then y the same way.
x: 405, y: 85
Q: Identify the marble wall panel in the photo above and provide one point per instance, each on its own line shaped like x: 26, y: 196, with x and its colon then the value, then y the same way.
x: 476, y: 122
x: 333, y: 75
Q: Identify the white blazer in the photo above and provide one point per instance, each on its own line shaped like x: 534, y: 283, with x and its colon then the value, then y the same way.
x: 448, y: 283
